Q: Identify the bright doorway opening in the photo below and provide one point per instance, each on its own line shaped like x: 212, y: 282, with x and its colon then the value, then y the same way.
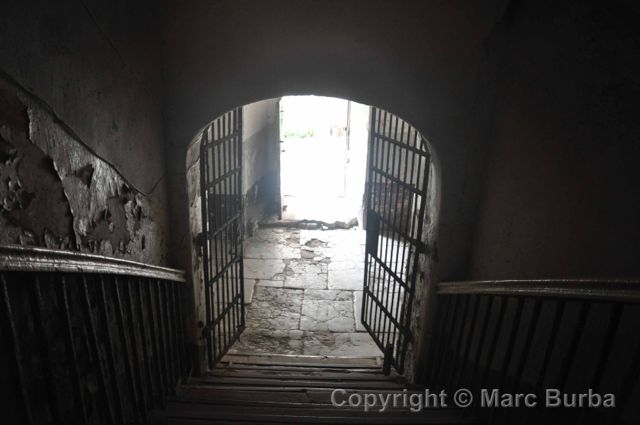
x: 323, y: 159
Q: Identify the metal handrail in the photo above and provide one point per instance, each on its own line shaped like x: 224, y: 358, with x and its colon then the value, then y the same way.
x: 606, y: 289
x: 30, y: 259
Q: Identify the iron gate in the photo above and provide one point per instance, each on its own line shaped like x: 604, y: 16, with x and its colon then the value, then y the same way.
x: 221, y: 190
x: 398, y: 173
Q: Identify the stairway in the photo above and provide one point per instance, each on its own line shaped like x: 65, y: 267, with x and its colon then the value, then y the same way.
x: 269, y: 389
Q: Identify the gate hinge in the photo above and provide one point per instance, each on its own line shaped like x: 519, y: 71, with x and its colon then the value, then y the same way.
x: 200, y: 242
x: 423, y: 248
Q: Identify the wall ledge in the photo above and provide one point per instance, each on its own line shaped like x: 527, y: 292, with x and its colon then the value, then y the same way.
x: 29, y: 259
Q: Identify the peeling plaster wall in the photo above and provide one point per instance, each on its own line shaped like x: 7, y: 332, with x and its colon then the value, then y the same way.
x: 82, y: 141
x: 56, y: 193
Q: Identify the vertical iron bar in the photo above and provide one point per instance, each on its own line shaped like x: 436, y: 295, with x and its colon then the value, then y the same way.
x: 155, y: 332
x: 127, y: 351
x: 63, y: 300
x: 494, y: 341
x: 43, y: 343
x: 368, y: 200
x: 446, y: 339
x: 134, y: 345
x: 15, y: 348
x: 241, y: 201
x: 457, y: 340
x: 481, y: 338
x: 443, y: 312
x: 142, y: 321
x: 204, y: 194
x: 166, y: 323
x: 459, y: 370
x: 96, y: 349
x: 109, y: 348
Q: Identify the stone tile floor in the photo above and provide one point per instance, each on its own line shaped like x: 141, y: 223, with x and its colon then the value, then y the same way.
x: 307, y: 293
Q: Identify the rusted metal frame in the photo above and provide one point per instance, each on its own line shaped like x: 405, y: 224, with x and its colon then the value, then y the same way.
x: 458, y: 369
x: 379, y: 272
x: 520, y: 363
x: 126, y: 346
x: 605, y: 352
x: 413, y: 149
x: 446, y: 340
x: 395, y: 244
x: 373, y: 229
x: 576, y: 335
x: 403, y: 337
x: 369, y: 200
x: 15, y: 349
x: 63, y: 301
x: 221, y: 281
x: 569, y: 357
x: 159, y: 362
x: 95, y: 348
x: 443, y: 313
x: 374, y: 248
x: 241, y: 205
x: 176, y: 329
x: 234, y: 275
x: 163, y: 309
x: 43, y: 345
x: 206, y: 261
x: 387, y: 209
x: 226, y: 310
x: 223, y: 177
x: 481, y: 340
x: 407, y: 305
x: 182, y: 333
x: 138, y: 362
x: 146, y: 342
x: 218, y: 243
x: 407, y: 244
x: 411, y: 188
x: 111, y: 358
x: 510, y: 344
x: 494, y: 341
x: 381, y: 307
x: 551, y: 343
x: 456, y: 340
x: 383, y: 313
x: 626, y: 388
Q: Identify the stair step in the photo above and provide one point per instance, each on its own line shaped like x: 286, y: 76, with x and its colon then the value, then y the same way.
x: 270, y: 389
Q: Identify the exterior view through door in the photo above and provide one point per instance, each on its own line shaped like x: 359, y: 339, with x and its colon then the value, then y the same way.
x: 313, y: 280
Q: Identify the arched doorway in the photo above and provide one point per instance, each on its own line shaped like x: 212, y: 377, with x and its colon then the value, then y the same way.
x: 396, y: 202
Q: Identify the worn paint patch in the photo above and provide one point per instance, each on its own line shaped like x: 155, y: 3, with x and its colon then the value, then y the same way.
x: 56, y: 193
x: 34, y: 209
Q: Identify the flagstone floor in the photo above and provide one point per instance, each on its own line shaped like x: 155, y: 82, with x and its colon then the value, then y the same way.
x: 307, y: 293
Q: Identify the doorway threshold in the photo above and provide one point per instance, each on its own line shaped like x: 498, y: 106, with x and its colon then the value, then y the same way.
x: 302, y: 360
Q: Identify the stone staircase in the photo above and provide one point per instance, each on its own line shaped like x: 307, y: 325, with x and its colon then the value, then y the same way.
x: 271, y: 389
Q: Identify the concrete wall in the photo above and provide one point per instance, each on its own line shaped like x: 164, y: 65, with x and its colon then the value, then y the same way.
x: 81, y: 123
x: 562, y: 194
x: 260, y: 156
